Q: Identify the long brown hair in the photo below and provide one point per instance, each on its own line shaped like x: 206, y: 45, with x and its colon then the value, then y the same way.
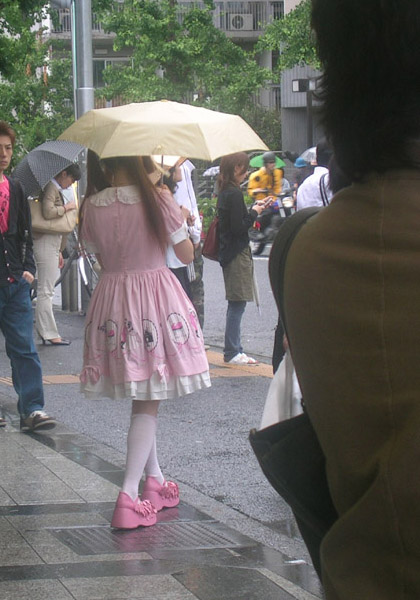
x: 138, y: 168
x: 227, y: 168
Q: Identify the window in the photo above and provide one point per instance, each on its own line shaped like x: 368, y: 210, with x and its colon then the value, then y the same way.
x: 98, y: 68
x: 277, y: 9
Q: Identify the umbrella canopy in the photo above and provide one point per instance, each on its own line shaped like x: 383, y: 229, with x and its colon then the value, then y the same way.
x: 309, y: 155
x: 212, y: 172
x: 162, y: 127
x: 43, y: 163
x: 258, y: 161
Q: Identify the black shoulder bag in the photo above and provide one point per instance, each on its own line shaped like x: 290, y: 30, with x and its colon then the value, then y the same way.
x: 289, y: 452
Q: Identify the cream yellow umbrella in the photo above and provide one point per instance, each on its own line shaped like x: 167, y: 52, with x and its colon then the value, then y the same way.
x: 162, y: 127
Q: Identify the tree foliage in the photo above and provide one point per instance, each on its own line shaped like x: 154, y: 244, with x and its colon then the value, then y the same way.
x: 35, y: 90
x: 293, y: 38
x: 177, y: 54
x: 267, y: 123
x: 180, y: 56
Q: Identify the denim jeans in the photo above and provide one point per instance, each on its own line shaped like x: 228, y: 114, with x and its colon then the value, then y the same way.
x: 16, y: 323
x: 234, y: 314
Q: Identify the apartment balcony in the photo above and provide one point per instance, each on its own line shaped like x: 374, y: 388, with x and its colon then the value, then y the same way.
x: 62, y: 28
x: 239, y: 20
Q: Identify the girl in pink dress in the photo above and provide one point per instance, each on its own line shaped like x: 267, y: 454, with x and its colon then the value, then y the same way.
x: 142, y: 337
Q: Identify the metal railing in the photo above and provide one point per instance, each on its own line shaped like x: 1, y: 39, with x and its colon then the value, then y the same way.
x: 64, y: 22
x: 227, y: 16
x: 239, y: 16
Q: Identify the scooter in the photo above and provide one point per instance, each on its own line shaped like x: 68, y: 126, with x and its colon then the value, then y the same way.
x: 269, y: 222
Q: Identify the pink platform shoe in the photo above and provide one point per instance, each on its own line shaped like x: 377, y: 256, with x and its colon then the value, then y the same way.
x: 161, y: 496
x: 129, y: 514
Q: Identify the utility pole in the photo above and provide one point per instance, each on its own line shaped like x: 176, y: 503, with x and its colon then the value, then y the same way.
x: 81, y: 35
x: 81, y: 29
x: 84, y: 92
x: 82, y: 49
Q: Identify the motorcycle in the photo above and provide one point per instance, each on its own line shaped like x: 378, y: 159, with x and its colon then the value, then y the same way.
x: 269, y: 222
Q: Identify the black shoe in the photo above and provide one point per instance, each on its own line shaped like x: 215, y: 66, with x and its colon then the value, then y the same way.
x: 37, y: 420
x: 62, y: 342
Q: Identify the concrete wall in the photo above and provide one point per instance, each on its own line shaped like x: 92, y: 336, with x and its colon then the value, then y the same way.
x: 297, y: 134
x: 290, y: 5
x: 294, y: 130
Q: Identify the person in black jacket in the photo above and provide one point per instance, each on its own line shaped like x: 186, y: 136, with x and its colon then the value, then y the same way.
x: 17, y: 270
x: 234, y: 251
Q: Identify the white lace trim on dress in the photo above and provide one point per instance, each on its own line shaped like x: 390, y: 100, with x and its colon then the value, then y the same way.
x: 179, y: 235
x: 155, y: 388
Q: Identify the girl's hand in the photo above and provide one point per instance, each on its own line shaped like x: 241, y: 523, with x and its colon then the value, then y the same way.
x: 185, y: 212
x: 190, y: 220
x: 60, y: 260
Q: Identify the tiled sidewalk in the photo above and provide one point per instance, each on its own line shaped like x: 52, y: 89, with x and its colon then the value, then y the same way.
x: 56, y: 542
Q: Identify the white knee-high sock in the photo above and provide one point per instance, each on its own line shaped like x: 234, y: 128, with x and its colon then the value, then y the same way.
x: 140, y: 440
x: 152, y: 468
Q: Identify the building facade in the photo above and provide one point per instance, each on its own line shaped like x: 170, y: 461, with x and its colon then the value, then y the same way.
x: 242, y: 21
x: 299, y: 107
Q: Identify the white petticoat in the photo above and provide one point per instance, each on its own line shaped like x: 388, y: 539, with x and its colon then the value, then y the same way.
x: 155, y: 388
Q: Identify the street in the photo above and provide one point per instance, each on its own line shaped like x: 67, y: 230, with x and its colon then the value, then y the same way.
x: 257, y: 326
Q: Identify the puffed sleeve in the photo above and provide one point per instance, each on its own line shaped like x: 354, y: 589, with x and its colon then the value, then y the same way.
x: 176, y: 226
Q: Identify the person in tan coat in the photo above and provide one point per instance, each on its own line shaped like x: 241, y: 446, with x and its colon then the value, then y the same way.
x: 48, y: 254
x: 352, y: 300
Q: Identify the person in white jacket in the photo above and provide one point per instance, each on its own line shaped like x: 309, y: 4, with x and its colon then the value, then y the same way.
x: 180, y: 184
x: 315, y: 189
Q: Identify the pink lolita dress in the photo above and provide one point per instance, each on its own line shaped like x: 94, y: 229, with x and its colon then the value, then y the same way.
x: 142, y: 337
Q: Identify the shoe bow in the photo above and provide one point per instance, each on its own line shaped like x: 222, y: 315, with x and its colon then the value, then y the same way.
x: 145, y: 508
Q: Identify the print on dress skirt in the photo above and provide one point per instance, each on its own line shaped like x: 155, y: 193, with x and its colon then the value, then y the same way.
x: 111, y: 332
x: 110, y: 338
x: 150, y: 335
x: 130, y: 339
x: 194, y: 322
x: 178, y: 328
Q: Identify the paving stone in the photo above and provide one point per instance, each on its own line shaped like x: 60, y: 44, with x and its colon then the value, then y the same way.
x: 158, y: 587
x: 34, y: 590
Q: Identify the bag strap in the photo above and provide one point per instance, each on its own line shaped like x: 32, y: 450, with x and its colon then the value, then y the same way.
x: 278, y: 256
x: 323, y: 190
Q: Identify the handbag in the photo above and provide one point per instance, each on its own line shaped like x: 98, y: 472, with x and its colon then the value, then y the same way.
x: 211, y: 244
x: 64, y: 224
x: 289, y: 452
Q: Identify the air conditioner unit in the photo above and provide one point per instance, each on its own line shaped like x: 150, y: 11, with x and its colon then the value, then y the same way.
x: 238, y: 22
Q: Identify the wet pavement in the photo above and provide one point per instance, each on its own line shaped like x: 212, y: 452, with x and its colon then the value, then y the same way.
x: 56, y: 541
x: 58, y: 488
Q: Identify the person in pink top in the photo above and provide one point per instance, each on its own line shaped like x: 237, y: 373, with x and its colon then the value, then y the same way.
x: 142, y: 339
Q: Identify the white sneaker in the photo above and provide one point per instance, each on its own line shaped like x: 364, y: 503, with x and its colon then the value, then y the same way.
x: 249, y: 359
x: 242, y: 359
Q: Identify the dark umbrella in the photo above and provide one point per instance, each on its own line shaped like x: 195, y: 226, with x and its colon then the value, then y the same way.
x: 43, y: 163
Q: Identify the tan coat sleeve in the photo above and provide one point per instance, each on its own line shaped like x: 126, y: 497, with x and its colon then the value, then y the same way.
x: 52, y: 203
